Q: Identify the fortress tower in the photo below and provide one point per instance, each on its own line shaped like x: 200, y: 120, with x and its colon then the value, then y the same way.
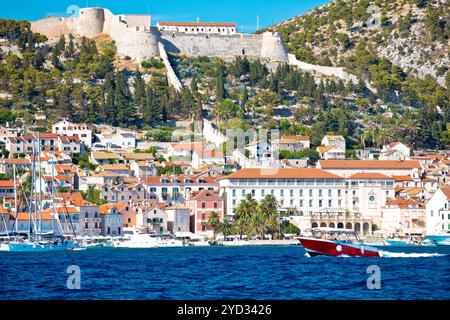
x: 273, y: 48
x: 91, y: 22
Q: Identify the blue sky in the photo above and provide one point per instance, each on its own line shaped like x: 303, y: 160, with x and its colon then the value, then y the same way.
x: 243, y: 12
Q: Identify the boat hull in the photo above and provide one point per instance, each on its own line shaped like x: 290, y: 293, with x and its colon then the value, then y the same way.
x: 316, y: 247
x: 398, y: 243
x: 38, y: 247
x: 440, y: 240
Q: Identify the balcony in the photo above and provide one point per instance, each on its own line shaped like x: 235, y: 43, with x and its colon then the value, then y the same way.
x: 87, y: 219
x: 97, y: 220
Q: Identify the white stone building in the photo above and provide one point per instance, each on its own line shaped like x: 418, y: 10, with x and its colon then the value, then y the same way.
x: 291, y: 143
x: 111, y: 220
x: 151, y: 218
x: 402, y: 217
x: 81, y: 130
x: 395, y: 151
x: 123, y: 192
x: 202, y: 158
x: 333, y: 148
x: 438, y: 212
x: 220, y: 28
x: 176, y: 189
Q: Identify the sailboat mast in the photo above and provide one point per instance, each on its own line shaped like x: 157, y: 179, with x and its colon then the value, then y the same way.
x: 15, y: 198
x: 31, y: 206
x: 40, y: 184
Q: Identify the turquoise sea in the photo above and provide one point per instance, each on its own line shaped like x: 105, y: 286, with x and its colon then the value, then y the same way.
x: 243, y: 12
x: 225, y: 273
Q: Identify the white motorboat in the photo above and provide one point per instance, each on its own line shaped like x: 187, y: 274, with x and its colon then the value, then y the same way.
x: 135, y: 240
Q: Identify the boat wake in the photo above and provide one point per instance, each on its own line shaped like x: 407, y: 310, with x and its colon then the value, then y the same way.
x: 387, y: 254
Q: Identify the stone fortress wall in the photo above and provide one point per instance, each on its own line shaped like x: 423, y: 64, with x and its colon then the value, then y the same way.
x: 136, y: 38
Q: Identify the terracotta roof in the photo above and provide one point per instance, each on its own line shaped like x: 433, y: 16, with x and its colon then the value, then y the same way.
x: 197, y: 146
x: 206, y: 195
x: 198, y: 24
x: 62, y: 209
x: 6, y: 183
x: 69, y: 139
x: 299, y: 138
x: 138, y: 156
x: 104, y: 155
x: 369, y: 175
x: 369, y: 164
x: 404, y: 203
x: 109, y: 167
x: 446, y: 191
x: 106, y: 208
x: 326, y: 148
x: 209, y: 154
x: 16, y: 161
x: 34, y: 136
x: 26, y: 215
x: 282, y: 173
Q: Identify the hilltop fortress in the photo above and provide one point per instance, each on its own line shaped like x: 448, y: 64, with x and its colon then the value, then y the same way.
x: 137, y: 38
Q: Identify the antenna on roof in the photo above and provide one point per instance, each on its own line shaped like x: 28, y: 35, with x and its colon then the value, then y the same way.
x: 257, y: 22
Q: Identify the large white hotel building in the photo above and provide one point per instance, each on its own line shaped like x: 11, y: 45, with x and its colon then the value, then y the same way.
x: 317, y: 197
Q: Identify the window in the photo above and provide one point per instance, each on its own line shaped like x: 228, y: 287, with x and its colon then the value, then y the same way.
x: 329, y: 192
x: 320, y: 203
x: 215, y: 205
x: 203, y: 205
x: 329, y: 203
x: 310, y: 203
x: 310, y: 192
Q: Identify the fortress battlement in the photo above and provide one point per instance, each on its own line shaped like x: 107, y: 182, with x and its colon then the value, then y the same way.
x: 137, y: 38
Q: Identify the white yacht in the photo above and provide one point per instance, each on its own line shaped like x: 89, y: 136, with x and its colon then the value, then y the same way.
x: 135, y: 240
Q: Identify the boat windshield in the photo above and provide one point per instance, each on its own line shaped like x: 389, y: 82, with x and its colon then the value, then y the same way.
x: 334, y: 234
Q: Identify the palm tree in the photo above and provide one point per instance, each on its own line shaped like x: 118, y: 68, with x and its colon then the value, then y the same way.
x: 240, y: 227
x: 226, y: 228
x: 214, y: 221
x: 268, y: 213
x: 246, y: 208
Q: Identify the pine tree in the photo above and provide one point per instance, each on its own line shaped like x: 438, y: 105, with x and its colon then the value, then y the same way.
x: 220, y: 82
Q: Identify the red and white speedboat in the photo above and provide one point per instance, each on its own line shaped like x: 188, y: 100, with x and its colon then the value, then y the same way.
x: 338, y: 243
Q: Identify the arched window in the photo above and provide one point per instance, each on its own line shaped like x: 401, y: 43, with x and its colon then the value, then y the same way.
x: 340, y: 225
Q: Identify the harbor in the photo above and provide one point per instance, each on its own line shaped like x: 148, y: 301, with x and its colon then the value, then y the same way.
x: 224, y: 272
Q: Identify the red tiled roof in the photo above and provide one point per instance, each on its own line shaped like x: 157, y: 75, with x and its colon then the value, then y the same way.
x: 282, y: 173
x: 6, y: 183
x: 369, y: 175
x: 369, y: 164
x: 206, y: 195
